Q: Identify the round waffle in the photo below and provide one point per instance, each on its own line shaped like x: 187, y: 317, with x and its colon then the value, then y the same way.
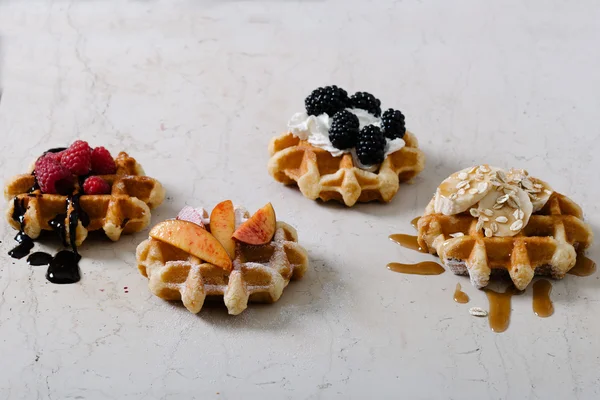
x: 319, y: 174
x: 125, y: 210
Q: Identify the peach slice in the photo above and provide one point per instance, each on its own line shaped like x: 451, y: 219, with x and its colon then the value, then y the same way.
x: 259, y: 229
x: 222, y: 225
x: 192, y: 239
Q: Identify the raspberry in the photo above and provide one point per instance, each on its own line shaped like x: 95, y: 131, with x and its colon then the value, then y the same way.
x: 78, y: 158
x: 52, y: 176
x: 393, y: 124
x: 370, y: 147
x: 328, y: 99
x: 96, y: 185
x: 344, y: 130
x: 102, y: 162
x: 366, y: 101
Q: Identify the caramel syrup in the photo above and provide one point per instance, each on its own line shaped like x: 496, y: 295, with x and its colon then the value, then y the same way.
x: 460, y: 296
x: 408, y: 241
x: 414, y: 222
x: 583, y: 266
x: 422, y: 268
x: 499, y: 314
x: 542, y: 305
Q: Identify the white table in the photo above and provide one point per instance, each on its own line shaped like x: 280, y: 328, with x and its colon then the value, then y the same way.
x: 195, y: 91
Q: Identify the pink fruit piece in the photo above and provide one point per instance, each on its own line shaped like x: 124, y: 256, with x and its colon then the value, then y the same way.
x: 193, y: 215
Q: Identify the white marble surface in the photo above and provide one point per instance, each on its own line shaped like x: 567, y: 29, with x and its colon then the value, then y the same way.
x: 195, y: 90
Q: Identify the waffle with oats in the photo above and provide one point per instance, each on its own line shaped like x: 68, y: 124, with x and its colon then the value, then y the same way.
x: 125, y: 210
x: 319, y: 174
x: 259, y: 274
x: 547, y: 245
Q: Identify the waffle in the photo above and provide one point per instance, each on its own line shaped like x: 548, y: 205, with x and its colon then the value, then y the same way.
x: 259, y: 274
x: 547, y: 245
x: 319, y: 174
x: 125, y: 210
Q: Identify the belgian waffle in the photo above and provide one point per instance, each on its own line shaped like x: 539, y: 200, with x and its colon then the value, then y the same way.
x: 125, y: 210
x: 547, y: 245
x: 259, y: 274
x: 319, y: 174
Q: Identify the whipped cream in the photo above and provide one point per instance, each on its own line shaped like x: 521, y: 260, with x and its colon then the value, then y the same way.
x: 315, y: 130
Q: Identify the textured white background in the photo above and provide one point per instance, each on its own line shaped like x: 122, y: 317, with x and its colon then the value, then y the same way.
x: 195, y: 90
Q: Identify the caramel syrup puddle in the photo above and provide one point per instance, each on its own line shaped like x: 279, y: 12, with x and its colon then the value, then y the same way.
x: 408, y: 241
x: 583, y: 266
x: 414, y: 222
x: 542, y: 305
x: 422, y: 268
x: 499, y: 314
x: 460, y: 296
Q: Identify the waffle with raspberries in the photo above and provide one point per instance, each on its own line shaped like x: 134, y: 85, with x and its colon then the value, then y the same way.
x: 86, y: 186
x: 345, y: 148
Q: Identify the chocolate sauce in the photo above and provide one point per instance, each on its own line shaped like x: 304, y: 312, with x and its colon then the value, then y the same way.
x: 25, y: 242
x: 58, y: 225
x: 39, y: 258
x: 64, y: 268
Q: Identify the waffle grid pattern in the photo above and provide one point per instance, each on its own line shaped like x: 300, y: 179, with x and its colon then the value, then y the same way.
x: 547, y: 245
x: 318, y: 174
x: 125, y: 210
x: 259, y: 274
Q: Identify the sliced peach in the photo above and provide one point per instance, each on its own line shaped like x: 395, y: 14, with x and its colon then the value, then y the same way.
x: 222, y: 225
x: 192, y: 239
x: 259, y: 229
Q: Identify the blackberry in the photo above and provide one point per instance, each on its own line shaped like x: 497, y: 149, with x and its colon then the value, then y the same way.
x: 344, y: 130
x: 328, y: 99
x: 393, y: 124
x: 370, y: 147
x: 366, y: 101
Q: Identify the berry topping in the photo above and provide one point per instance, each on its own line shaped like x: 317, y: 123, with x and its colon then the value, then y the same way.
x: 370, y: 147
x: 344, y: 130
x: 52, y: 176
x: 78, y: 158
x: 96, y: 185
x: 328, y: 99
x: 366, y: 101
x: 102, y: 162
x: 393, y: 124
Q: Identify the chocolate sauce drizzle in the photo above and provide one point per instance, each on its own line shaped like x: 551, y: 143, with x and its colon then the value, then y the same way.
x: 64, y: 266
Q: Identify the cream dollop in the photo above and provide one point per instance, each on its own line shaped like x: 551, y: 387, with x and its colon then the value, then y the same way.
x: 315, y: 130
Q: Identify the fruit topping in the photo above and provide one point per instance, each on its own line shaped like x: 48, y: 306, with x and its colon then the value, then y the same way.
x: 370, y: 147
x: 393, y: 124
x: 344, y: 130
x: 259, y: 229
x: 194, y: 240
x: 53, y: 177
x: 366, y: 101
x: 102, y: 162
x: 192, y: 214
x: 78, y: 158
x: 96, y: 185
x: 222, y: 226
x: 328, y: 100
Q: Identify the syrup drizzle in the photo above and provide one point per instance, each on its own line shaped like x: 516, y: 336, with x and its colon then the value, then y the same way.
x: 422, y: 268
x: 414, y: 222
x: 64, y: 266
x: 460, y: 296
x: 499, y: 315
x: 408, y: 241
x: 542, y: 305
x: 583, y: 266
